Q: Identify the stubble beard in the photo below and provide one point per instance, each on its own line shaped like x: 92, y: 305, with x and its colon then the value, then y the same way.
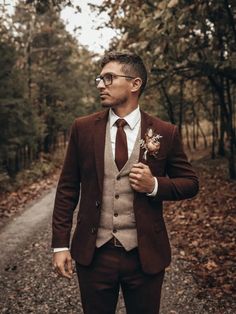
x: 118, y: 103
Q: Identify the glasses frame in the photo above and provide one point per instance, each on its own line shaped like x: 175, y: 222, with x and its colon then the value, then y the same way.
x: 100, y: 78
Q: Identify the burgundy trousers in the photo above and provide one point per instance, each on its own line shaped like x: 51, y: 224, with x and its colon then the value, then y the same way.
x: 112, y: 268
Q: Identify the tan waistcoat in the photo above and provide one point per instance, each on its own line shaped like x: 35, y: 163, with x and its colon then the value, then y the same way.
x: 117, y: 214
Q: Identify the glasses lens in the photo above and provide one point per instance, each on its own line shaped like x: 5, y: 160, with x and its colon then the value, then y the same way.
x: 107, y: 79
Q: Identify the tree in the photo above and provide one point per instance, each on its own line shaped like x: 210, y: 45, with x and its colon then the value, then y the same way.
x: 44, y: 80
x: 15, y: 113
x: 183, y: 42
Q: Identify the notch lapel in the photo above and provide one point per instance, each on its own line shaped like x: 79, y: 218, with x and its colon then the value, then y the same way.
x: 139, y: 198
x: 99, y: 145
x: 146, y: 123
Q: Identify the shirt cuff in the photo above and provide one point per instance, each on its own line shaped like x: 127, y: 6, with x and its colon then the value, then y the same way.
x: 154, y: 192
x: 60, y: 249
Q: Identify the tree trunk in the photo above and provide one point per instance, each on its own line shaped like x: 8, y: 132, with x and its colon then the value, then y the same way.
x: 181, y: 108
x: 170, y: 110
x: 221, y: 149
x: 227, y: 111
x: 202, y: 133
x: 194, y: 135
x: 232, y: 170
x: 213, y: 150
x: 187, y: 136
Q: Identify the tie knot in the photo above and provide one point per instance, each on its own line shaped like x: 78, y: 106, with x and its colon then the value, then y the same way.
x: 120, y: 123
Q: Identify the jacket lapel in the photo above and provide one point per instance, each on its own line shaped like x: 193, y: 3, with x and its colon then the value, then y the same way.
x: 99, y: 145
x: 146, y: 122
x: 99, y: 140
x: 139, y: 198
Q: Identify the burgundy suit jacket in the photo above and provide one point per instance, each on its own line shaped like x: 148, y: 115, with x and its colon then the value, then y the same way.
x: 82, y: 180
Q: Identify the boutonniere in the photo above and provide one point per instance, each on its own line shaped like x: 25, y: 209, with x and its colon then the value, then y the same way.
x: 150, y: 144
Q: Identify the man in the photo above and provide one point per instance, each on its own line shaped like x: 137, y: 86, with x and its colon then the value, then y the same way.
x: 122, y: 164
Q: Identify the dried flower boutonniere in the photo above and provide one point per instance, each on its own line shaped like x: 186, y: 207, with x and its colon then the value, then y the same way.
x: 150, y: 144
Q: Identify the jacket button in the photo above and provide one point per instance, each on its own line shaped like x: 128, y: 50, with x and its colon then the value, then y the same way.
x: 118, y: 177
x: 116, y: 214
x: 117, y: 196
x: 93, y: 230
x: 114, y: 230
x: 97, y: 204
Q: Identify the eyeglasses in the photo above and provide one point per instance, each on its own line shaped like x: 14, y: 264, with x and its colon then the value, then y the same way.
x: 108, y: 78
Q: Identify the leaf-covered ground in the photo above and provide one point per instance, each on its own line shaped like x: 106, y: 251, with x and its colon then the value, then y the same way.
x: 12, y: 203
x: 203, y: 230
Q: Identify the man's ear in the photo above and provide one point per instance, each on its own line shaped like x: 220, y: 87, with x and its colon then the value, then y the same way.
x: 136, y: 84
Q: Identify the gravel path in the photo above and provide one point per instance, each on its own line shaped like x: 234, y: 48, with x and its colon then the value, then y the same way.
x: 28, y: 284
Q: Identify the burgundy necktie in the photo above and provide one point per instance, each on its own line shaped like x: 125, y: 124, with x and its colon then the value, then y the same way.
x: 121, y: 150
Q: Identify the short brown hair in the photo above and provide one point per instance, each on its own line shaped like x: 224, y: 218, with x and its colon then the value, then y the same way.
x: 132, y: 65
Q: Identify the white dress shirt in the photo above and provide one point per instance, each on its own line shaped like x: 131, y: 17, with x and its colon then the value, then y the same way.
x: 131, y: 129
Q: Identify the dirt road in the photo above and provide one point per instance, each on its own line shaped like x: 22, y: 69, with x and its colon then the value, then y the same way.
x: 28, y: 284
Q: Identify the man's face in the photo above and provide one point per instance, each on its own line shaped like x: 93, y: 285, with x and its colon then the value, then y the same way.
x: 118, y: 93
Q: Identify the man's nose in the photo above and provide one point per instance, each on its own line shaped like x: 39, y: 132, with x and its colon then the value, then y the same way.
x: 101, y: 84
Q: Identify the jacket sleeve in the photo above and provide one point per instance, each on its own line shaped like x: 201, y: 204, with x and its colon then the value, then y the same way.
x: 67, y: 194
x: 181, y: 181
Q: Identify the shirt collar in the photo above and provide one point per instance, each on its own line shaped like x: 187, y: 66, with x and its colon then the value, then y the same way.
x: 132, y: 118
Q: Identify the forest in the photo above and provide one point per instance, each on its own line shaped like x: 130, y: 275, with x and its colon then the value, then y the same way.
x: 44, y: 80
x: 47, y: 76
x: 189, y: 48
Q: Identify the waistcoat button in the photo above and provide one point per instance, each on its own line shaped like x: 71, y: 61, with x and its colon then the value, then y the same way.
x: 117, y: 196
x: 115, y: 214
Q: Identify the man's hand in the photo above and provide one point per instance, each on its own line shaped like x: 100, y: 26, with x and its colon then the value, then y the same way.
x: 141, y: 178
x: 62, y: 263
